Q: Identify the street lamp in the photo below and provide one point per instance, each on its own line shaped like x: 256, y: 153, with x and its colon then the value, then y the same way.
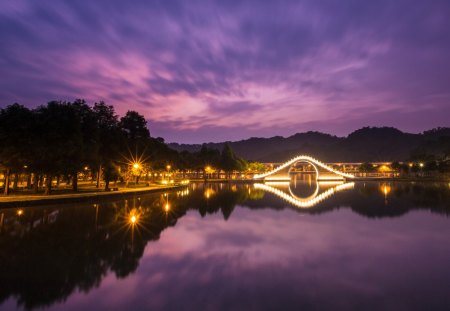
x: 207, y: 171
x: 136, y: 172
x: 168, y: 173
x: 421, y: 165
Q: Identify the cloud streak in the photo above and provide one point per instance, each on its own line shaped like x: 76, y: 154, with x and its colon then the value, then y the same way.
x: 245, y: 68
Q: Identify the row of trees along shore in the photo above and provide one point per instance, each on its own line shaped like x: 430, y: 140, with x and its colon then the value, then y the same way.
x: 59, y: 139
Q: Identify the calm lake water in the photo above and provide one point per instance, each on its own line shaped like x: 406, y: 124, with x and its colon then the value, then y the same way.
x: 301, y: 246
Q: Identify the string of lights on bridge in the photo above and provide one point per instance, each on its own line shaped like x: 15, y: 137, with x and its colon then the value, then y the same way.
x: 308, y: 159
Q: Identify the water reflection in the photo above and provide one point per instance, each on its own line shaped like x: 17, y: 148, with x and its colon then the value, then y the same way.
x: 306, y: 202
x: 49, y: 254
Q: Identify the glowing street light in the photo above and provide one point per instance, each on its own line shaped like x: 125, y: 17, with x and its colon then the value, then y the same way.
x: 136, y: 170
x: 168, y: 167
x: 207, y: 171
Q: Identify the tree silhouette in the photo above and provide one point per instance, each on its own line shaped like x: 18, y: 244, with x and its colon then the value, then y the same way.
x: 16, y: 129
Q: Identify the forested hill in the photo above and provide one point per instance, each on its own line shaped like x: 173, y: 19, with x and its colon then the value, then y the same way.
x: 366, y: 144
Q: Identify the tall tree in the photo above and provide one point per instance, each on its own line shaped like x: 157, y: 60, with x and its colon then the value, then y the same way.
x: 16, y: 134
x: 60, y: 143
x: 136, y: 137
x: 229, y: 161
x: 89, y: 136
x: 135, y: 126
x: 108, y: 134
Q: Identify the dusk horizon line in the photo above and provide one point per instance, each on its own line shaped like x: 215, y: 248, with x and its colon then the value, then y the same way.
x: 151, y: 122
x: 306, y: 132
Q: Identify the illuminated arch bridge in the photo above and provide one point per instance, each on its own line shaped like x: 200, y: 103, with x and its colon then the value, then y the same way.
x: 323, y: 171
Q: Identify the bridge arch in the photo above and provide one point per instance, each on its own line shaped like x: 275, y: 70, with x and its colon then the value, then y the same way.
x: 303, y: 161
x: 282, y: 171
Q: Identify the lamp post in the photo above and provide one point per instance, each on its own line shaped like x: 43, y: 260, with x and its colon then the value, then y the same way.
x: 136, y: 167
x: 168, y: 173
x: 207, y: 170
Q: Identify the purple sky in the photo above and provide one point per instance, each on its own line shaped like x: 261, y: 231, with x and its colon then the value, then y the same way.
x: 226, y: 70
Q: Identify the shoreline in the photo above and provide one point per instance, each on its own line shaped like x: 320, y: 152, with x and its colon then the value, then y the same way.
x: 36, y: 200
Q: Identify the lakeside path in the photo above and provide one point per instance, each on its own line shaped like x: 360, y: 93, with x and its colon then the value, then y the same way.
x: 33, y: 200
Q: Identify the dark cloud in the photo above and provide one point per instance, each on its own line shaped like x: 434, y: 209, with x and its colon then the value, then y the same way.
x: 245, y: 67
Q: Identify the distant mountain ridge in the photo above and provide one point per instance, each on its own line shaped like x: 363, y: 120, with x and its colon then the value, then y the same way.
x: 365, y: 144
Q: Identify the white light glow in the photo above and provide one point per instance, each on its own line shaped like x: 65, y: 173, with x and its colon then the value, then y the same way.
x: 304, y: 203
x: 308, y: 159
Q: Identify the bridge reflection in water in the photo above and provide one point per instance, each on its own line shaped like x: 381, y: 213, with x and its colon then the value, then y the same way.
x: 284, y: 191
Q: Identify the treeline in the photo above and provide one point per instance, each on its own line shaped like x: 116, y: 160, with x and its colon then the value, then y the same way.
x: 368, y: 144
x: 62, y: 139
